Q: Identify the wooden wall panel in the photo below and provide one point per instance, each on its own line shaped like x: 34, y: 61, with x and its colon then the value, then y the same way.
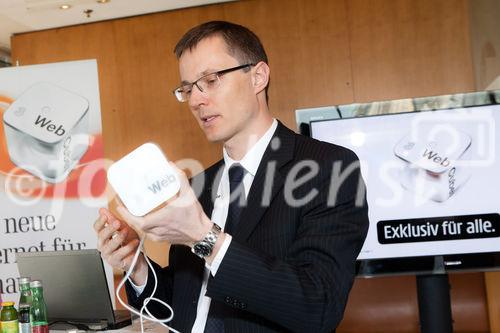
x: 407, y: 48
x: 389, y: 304
x: 485, y: 41
x: 322, y: 52
x: 492, y: 281
x: 468, y: 302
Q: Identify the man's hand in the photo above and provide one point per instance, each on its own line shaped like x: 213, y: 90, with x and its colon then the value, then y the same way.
x: 117, y: 243
x: 180, y: 221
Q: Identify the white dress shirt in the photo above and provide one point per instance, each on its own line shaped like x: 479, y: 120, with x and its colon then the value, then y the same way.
x: 250, y: 162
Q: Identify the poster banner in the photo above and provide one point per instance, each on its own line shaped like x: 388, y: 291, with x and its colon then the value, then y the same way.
x: 52, y: 177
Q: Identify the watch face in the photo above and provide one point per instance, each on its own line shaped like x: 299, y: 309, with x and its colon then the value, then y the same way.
x: 202, y: 249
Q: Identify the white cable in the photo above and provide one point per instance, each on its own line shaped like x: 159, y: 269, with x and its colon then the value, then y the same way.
x: 141, y: 315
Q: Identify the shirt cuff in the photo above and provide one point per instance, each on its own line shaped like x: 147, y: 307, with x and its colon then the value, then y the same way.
x: 219, y: 256
x: 138, y: 289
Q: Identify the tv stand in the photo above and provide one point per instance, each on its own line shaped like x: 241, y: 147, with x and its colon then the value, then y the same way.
x: 434, y: 303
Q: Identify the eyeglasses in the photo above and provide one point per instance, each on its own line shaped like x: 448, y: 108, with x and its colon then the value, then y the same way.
x: 207, y: 83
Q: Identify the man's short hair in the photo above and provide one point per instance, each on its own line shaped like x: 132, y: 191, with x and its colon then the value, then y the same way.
x: 241, y: 42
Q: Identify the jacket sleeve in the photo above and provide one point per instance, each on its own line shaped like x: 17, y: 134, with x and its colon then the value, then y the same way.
x: 163, y: 291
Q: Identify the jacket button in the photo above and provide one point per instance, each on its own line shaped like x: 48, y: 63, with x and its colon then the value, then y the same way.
x: 228, y: 299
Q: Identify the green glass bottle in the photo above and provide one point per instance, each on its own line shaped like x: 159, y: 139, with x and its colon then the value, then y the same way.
x: 25, y: 301
x: 24, y: 286
x: 39, y: 322
x: 8, y: 318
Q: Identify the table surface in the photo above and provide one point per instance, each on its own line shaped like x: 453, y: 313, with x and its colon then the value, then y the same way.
x: 134, y: 328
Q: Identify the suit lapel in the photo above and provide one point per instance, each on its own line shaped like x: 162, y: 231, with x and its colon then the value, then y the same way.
x: 268, y: 180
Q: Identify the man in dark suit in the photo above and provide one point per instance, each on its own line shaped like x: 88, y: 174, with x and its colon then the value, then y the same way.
x: 270, y: 244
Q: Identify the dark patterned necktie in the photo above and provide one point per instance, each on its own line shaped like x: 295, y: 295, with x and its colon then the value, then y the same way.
x: 236, y: 197
x: 218, y: 311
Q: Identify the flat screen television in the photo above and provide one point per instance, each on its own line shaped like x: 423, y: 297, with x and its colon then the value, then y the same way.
x: 433, y: 182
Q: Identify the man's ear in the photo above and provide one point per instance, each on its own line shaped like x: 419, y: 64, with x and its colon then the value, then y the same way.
x: 260, y: 76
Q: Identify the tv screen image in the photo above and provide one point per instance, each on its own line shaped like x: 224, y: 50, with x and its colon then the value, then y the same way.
x: 432, y: 179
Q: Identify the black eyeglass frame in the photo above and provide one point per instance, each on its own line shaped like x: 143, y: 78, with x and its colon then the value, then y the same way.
x: 218, y: 73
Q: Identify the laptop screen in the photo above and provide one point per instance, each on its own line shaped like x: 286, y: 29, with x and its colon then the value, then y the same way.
x: 74, y: 284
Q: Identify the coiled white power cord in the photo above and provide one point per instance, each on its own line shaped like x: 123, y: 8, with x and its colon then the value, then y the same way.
x: 144, y: 308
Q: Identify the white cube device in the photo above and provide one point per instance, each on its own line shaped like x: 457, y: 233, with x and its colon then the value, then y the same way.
x: 433, y: 161
x: 143, y: 179
x: 46, y: 131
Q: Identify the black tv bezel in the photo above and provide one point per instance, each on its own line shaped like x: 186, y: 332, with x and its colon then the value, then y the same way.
x: 425, y: 264
x: 430, y: 264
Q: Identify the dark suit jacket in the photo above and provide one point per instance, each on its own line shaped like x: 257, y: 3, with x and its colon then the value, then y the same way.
x: 290, y: 265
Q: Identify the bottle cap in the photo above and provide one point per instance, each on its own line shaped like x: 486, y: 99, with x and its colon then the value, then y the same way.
x: 7, y: 304
x: 24, y: 280
x: 35, y: 284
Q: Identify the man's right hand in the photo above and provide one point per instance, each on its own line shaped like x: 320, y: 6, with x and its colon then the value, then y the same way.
x: 117, y: 243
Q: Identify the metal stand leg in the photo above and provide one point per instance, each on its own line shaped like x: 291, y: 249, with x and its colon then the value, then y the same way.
x: 434, y: 303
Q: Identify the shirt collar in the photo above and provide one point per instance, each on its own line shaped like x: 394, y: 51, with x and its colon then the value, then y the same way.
x: 252, y: 158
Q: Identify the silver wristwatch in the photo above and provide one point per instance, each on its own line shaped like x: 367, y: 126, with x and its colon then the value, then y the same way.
x: 204, y: 247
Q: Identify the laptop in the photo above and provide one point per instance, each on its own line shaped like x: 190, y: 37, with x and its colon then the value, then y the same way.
x: 74, y: 287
